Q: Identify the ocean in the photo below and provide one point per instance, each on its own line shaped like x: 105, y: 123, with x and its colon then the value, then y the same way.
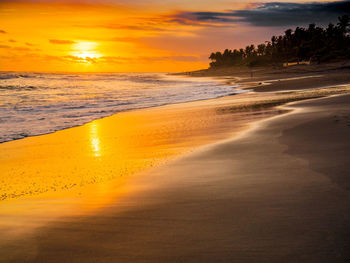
x: 39, y: 103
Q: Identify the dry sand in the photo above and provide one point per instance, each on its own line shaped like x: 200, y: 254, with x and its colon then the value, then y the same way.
x: 277, y: 193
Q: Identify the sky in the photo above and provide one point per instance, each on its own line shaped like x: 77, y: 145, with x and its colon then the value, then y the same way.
x: 143, y: 35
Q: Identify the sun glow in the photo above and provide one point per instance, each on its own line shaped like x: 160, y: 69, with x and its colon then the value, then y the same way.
x: 86, y: 50
x: 99, y: 38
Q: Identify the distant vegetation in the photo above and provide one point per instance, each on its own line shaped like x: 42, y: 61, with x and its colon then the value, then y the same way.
x: 314, y: 44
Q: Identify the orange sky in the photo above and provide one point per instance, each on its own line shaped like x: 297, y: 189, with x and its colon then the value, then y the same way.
x: 114, y: 37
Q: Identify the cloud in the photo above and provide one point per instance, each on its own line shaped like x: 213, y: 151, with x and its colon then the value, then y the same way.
x: 124, y: 39
x: 69, y: 58
x: 150, y: 26
x: 3, y: 32
x: 171, y: 58
x: 139, y: 59
x: 17, y: 48
x: 274, y: 14
x: 21, y: 48
x: 12, y: 41
x: 79, y: 59
x: 61, y: 42
x: 124, y: 60
x: 156, y: 25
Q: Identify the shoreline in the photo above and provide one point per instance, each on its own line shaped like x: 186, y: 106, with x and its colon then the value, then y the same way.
x: 252, y: 197
x: 123, y: 111
x: 83, y: 113
x: 243, y: 109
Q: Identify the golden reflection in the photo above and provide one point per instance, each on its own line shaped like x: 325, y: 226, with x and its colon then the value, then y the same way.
x: 93, y: 36
x: 95, y: 140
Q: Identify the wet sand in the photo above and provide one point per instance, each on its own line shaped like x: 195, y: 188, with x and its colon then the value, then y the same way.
x: 311, y: 81
x: 277, y: 193
x: 297, y: 77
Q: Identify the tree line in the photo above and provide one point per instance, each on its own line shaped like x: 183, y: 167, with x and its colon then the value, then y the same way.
x: 314, y: 44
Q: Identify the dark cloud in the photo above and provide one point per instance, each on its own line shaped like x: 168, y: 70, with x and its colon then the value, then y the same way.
x: 3, y: 32
x: 275, y: 14
x: 61, y: 42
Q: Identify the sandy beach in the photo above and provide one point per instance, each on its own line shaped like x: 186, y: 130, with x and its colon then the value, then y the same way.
x: 174, y: 131
x: 210, y: 181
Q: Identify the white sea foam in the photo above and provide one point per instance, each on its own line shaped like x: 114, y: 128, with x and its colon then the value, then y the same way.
x: 39, y: 103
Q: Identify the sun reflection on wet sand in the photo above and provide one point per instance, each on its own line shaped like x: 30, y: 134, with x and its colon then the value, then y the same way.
x: 95, y: 140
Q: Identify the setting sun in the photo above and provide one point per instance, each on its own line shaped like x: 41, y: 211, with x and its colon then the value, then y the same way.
x: 100, y: 38
x: 85, y: 50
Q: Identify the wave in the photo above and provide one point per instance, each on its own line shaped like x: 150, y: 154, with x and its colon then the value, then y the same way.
x: 19, y: 88
x: 13, y: 76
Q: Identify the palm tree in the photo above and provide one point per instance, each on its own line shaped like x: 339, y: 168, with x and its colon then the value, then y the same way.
x: 321, y: 44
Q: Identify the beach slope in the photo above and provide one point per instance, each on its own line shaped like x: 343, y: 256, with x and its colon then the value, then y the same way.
x: 278, y: 193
